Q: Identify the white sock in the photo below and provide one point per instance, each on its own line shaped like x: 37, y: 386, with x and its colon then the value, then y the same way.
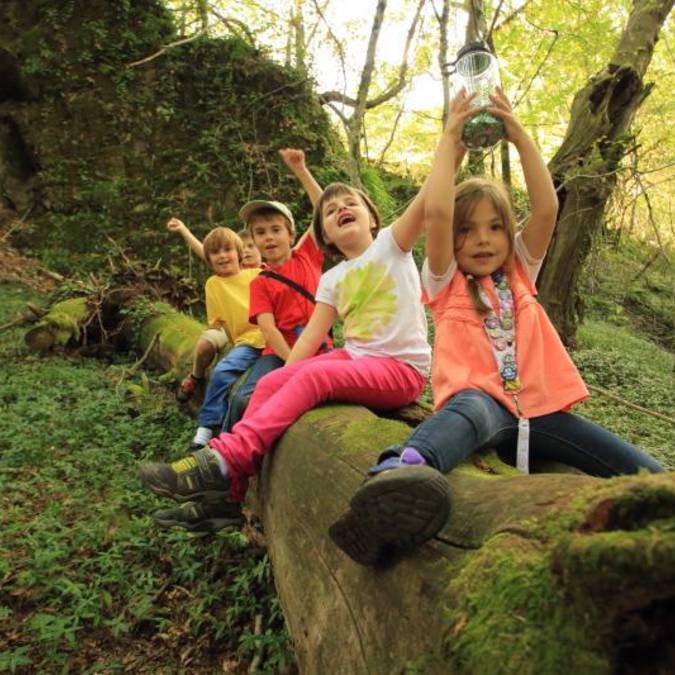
x: 221, y: 462
x: 202, y: 436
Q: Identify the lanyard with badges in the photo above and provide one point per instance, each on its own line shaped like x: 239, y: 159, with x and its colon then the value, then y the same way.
x: 501, y: 331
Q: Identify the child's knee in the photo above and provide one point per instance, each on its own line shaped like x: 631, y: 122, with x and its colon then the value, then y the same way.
x: 205, y: 347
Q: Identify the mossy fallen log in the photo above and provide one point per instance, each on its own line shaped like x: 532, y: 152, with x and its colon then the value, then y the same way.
x: 63, y: 325
x: 547, y: 573
x: 170, y: 335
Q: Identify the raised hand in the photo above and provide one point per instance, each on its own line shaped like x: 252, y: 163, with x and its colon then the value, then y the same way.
x: 501, y: 108
x: 174, y: 225
x: 460, y: 110
x: 293, y: 158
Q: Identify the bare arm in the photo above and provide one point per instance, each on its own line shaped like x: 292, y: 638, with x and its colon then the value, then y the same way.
x: 439, y: 204
x: 273, y: 336
x: 295, y: 161
x: 175, y: 225
x: 314, y: 333
x: 543, y: 199
x: 408, y: 227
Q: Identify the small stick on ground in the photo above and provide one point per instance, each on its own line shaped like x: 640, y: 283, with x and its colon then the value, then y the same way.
x: 635, y: 406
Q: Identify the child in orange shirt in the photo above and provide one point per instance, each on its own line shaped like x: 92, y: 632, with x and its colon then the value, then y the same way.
x: 501, y: 377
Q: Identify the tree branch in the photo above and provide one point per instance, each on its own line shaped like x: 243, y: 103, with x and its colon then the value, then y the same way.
x: 541, y: 65
x: 229, y: 22
x: 488, y: 36
x: 394, y: 88
x: 171, y: 45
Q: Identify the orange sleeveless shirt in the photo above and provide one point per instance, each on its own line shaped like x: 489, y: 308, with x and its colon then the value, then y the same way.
x: 463, y: 356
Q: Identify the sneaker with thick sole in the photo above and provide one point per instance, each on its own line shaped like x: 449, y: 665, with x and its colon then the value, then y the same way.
x: 399, y: 508
x: 202, y: 516
x: 196, y: 476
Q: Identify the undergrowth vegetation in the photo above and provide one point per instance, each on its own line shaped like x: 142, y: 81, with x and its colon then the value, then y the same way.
x: 86, y: 583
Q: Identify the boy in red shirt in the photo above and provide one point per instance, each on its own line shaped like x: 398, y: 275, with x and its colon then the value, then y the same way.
x: 281, y: 308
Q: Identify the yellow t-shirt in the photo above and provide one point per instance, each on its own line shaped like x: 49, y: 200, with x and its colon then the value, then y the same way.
x: 227, y: 301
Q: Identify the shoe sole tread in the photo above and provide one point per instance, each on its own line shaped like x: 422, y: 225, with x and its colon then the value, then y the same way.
x: 402, y: 507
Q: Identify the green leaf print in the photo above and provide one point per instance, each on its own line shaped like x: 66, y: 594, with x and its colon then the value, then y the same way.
x: 366, y: 301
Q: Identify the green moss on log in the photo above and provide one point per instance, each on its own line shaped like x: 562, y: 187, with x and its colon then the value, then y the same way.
x: 60, y: 326
x: 547, y: 597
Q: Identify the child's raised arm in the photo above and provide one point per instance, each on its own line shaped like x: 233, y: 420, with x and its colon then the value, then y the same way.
x: 175, y: 225
x: 543, y: 199
x: 439, y: 202
x: 294, y: 159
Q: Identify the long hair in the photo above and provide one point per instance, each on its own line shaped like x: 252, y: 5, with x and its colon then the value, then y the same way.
x: 467, y: 195
x: 333, y: 190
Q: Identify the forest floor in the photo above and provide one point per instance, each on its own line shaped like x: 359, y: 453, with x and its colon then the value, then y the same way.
x: 88, y: 585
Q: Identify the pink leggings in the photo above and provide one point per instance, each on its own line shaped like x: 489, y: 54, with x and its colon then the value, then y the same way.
x: 283, y: 395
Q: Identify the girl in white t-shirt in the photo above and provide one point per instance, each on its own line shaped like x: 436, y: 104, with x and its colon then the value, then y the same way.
x: 376, y: 292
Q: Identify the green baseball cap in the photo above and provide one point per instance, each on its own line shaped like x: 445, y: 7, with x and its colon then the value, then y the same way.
x: 250, y: 208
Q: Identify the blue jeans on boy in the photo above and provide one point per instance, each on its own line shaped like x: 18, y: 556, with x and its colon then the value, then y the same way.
x: 226, y: 371
x: 265, y: 364
x: 472, y: 420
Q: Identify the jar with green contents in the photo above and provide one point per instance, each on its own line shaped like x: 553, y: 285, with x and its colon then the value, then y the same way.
x: 477, y: 70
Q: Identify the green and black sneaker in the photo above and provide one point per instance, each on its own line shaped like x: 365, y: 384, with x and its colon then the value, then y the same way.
x: 196, y: 476
x: 202, y: 516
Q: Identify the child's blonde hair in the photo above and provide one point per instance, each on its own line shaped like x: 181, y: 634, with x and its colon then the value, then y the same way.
x: 467, y: 195
x: 317, y: 219
x: 244, y: 233
x: 222, y: 237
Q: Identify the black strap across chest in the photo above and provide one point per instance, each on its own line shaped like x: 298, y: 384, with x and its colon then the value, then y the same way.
x: 290, y: 283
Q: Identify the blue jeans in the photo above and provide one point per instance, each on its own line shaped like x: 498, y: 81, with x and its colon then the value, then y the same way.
x: 472, y: 420
x: 223, y: 376
x: 265, y: 364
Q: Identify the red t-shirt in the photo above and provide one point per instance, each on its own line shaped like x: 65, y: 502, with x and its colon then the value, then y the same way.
x: 290, y: 309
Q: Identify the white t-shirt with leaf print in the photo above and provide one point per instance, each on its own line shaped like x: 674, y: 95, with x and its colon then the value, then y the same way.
x: 378, y: 297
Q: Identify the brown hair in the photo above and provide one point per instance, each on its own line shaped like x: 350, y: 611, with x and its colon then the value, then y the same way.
x: 317, y: 218
x: 467, y: 195
x: 266, y: 214
x: 222, y: 237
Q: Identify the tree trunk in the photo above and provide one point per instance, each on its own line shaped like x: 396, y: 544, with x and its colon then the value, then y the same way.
x: 548, y: 573
x: 355, y: 125
x: 443, y: 64
x: 584, y: 168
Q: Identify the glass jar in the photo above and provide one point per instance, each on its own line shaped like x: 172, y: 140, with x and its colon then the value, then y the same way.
x: 477, y: 70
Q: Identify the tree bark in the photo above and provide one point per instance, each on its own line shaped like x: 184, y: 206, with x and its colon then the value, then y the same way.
x: 584, y: 168
x: 548, y: 573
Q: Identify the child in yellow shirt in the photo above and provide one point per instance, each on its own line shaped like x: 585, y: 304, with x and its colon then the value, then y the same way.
x: 227, y: 311
x: 214, y: 338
